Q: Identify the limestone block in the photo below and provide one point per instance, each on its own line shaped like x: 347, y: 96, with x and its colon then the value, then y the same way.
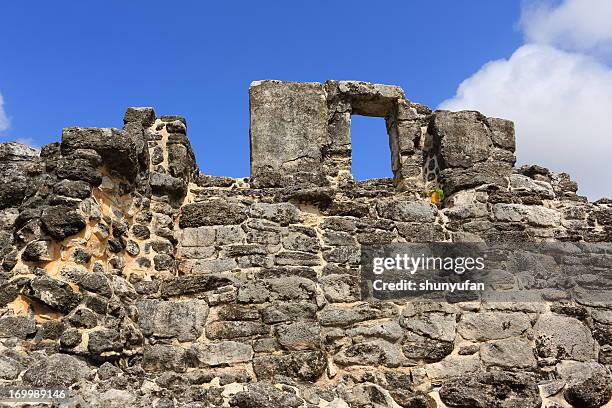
x: 182, y: 320
x: 494, y: 389
x: 534, y: 215
x: 15, y: 158
x: 299, y: 336
x: 462, y: 137
x: 485, y: 326
x: 122, y: 152
x: 370, y: 99
x: 288, y: 131
x: 508, y: 353
x: 224, y: 352
x: 564, y: 337
x: 502, y: 133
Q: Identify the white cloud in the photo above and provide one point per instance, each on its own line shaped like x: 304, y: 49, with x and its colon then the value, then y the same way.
x: 572, y: 25
x: 4, y: 121
x: 560, y: 101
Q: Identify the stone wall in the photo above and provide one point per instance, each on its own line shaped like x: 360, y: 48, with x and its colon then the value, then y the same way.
x: 137, y: 280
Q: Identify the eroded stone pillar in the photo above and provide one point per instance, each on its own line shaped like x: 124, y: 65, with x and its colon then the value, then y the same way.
x: 288, y: 130
x: 472, y: 149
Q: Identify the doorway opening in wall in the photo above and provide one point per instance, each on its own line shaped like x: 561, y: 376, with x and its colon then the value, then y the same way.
x: 371, y: 151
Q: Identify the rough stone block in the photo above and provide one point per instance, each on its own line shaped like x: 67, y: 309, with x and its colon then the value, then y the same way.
x: 503, y: 389
x: 564, y: 338
x: 462, y: 137
x: 213, y: 212
x: 534, y: 215
x: 17, y: 326
x: 282, y: 213
x: 508, y: 353
x: 370, y: 99
x: 401, y: 210
x: 160, y: 357
x: 225, y: 352
x: 15, y: 158
x: 122, y: 152
x: 144, y: 116
x: 183, y: 320
x: 299, y: 336
x: 198, y: 237
x: 58, y: 370
x: 301, y: 365
x: 502, y: 133
x: 288, y: 131
x: 235, y: 329
x: 484, y: 326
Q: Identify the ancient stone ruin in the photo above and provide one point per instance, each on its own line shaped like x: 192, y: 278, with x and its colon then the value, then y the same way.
x: 132, y: 278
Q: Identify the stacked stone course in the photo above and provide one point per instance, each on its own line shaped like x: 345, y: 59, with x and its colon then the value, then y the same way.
x: 136, y: 280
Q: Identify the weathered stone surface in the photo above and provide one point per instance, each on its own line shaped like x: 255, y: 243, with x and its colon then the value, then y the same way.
x: 283, y: 213
x: 73, y: 189
x: 235, y: 329
x: 55, y: 293
x: 524, y: 184
x: 463, y: 137
x: 183, y: 320
x: 302, y: 365
x: 288, y: 130
x: 121, y: 151
x: 57, y: 370
x: 187, y: 287
x: 592, y: 393
x: 17, y: 326
x: 103, y: 341
x: 502, y: 133
x: 299, y: 336
x: 563, y: 337
x: 15, y: 158
x: 508, y: 353
x: 264, y: 395
x: 343, y: 316
x: 38, y: 251
x: 9, y: 368
x: 419, y: 348
x: 144, y: 116
x: 494, y: 389
x: 438, y: 326
x: 225, y: 352
x: 79, y: 169
x: 485, y: 326
x: 61, y: 222
x: 214, y: 212
x: 419, y: 211
x: 97, y: 283
x: 537, y: 216
x: 288, y: 311
x: 198, y: 237
x: 165, y: 184
x: 587, y: 383
x: 453, y: 367
x: 370, y: 353
x: 340, y: 288
x: 161, y: 357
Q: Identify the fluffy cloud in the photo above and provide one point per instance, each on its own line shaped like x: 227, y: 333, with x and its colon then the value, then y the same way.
x: 572, y: 25
x: 4, y: 121
x: 559, y: 100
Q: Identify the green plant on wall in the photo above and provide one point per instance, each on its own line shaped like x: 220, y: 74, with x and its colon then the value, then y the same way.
x: 437, y: 196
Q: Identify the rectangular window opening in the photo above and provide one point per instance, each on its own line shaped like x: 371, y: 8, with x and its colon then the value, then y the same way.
x: 371, y: 150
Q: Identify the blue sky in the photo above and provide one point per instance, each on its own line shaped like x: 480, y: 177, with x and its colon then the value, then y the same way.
x: 545, y: 64
x: 82, y: 63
